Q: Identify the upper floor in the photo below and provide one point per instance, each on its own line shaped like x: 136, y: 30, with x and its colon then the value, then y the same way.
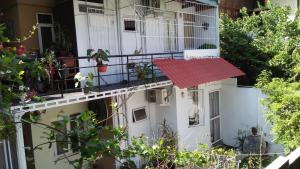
x: 135, y: 32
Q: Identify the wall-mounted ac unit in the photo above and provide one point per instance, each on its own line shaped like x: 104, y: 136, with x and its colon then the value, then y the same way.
x: 162, y: 97
x: 159, y: 96
x: 151, y: 96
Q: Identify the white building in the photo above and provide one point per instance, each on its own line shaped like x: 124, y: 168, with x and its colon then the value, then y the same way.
x: 188, y: 84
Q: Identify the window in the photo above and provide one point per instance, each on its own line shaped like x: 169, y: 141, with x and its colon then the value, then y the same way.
x: 214, y: 111
x: 93, y: 1
x: 194, y: 110
x: 45, y: 31
x: 63, y: 145
x: 61, y: 140
x: 75, y: 124
x: 139, y: 114
x: 129, y: 25
x: 189, y: 32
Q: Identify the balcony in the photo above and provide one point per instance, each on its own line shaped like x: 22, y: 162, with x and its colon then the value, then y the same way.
x: 125, y: 73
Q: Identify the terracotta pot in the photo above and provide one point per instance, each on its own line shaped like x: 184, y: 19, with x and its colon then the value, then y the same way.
x: 102, y: 68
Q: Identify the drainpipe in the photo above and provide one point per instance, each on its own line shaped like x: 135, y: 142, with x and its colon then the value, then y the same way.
x: 20, y: 140
x: 119, y: 32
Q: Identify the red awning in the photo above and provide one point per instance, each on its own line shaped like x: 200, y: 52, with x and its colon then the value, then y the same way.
x: 189, y: 73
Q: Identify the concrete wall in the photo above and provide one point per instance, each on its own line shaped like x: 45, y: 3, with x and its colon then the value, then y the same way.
x: 21, y: 14
x: 287, y: 3
x: 45, y: 158
x: 242, y: 110
x: 145, y: 127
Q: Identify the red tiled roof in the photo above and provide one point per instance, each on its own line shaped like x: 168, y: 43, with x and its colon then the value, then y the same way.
x: 188, y: 73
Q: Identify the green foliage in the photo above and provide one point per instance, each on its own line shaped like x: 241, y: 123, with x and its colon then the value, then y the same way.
x: 280, y: 82
x: 251, y: 41
x: 266, y: 48
x: 143, y: 70
x: 163, y: 153
x: 100, y: 56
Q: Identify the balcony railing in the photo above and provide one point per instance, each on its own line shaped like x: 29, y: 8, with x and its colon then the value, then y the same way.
x: 122, y: 71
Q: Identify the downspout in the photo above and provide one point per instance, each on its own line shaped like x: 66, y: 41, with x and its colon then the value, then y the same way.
x: 20, y: 140
x: 119, y: 33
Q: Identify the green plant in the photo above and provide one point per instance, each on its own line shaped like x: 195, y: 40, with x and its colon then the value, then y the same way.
x: 99, y: 56
x: 208, y: 46
x: 142, y: 71
x: 89, y: 81
x: 63, y: 42
x: 49, y: 58
x: 251, y: 41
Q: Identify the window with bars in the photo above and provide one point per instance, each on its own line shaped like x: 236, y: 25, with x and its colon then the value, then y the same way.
x: 194, y: 110
x: 214, y: 111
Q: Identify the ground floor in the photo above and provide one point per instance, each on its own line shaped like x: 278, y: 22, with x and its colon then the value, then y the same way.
x: 213, y: 113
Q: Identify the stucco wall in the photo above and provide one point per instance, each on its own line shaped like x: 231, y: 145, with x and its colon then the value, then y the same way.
x: 191, y: 136
x: 287, y: 3
x: 242, y: 110
x: 145, y: 127
x: 45, y: 158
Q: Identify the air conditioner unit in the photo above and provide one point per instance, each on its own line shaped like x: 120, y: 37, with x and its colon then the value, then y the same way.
x: 162, y: 97
x: 159, y: 96
x: 151, y: 96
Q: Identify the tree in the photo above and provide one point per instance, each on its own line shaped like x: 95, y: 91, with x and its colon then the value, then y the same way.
x: 250, y: 41
x: 266, y: 47
x: 280, y: 82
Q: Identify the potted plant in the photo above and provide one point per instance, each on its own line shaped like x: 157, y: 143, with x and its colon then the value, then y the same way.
x: 142, y: 71
x: 49, y: 60
x: 100, y: 56
x: 62, y: 45
x: 89, y: 81
x: 36, y: 75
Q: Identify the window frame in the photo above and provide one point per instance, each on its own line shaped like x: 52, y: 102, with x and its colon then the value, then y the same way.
x: 69, y: 144
x: 135, y: 25
x: 40, y: 25
x: 133, y: 115
x: 56, y: 143
x: 211, y: 119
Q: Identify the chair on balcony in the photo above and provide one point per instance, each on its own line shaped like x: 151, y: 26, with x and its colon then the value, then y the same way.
x: 69, y: 65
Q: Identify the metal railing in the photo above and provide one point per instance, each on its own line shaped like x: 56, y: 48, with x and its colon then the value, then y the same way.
x: 122, y: 71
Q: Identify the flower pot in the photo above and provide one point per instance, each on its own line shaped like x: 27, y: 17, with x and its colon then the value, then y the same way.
x: 85, y: 90
x: 102, y: 68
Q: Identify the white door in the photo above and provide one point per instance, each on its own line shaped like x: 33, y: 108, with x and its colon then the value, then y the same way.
x: 214, y: 111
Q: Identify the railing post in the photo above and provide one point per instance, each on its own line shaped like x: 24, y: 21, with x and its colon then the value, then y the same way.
x: 172, y: 55
x: 62, y: 72
x: 152, y: 68
x: 99, y: 80
x: 127, y: 67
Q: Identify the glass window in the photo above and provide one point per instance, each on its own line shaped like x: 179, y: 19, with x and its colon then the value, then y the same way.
x: 61, y: 139
x: 45, y: 19
x: 194, y: 110
x: 46, y: 37
x: 129, y: 25
x: 214, y: 112
x: 139, y: 114
x: 94, y: 1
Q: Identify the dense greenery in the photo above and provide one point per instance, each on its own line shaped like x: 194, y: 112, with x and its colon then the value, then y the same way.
x: 267, y: 48
x: 250, y: 41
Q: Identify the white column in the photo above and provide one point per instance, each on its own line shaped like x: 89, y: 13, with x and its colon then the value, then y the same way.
x: 20, y: 140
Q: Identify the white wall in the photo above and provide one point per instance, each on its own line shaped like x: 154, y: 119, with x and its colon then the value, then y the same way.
x: 45, y: 157
x: 287, y: 3
x: 242, y: 110
x: 145, y: 127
